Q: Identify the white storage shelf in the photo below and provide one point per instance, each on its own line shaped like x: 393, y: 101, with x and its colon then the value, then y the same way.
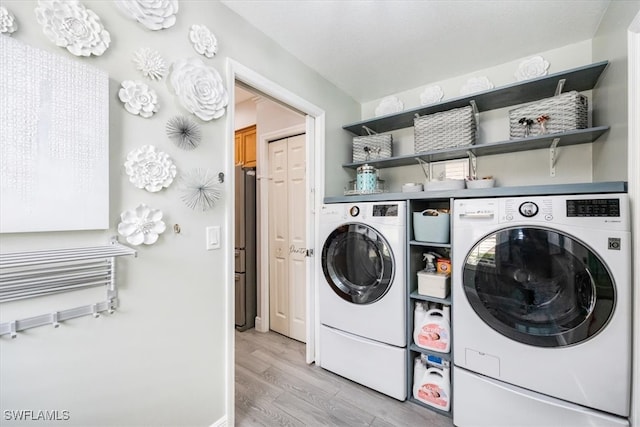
x: 415, y: 249
x: 577, y: 79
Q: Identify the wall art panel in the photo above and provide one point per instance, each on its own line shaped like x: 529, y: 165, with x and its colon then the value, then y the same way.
x: 54, y: 142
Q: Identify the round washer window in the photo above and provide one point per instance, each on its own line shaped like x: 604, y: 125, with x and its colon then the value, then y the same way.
x: 538, y: 286
x: 358, y: 263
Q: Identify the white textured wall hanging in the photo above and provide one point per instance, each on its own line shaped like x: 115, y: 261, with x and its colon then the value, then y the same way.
x: 150, y: 169
x: 200, y: 189
x: 476, y: 84
x: 54, y: 141
x: 153, y: 14
x: 533, y: 67
x: 150, y: 63
x: 204, y: 41
x: 199, y: 88
x: 141, y: 225
x: 8, y: 22
x: 431, y: 95
x: 184, y: 132
x: 389, y: 105
x: 70, y: 25
x: 138, y: 98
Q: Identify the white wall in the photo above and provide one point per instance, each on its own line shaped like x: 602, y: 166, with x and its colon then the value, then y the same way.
x: 610, y: 42
x: 160, y: 360
x: 245, y: 114
x: 573, y: 163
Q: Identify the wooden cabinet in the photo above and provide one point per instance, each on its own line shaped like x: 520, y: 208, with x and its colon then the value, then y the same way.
x: 245, y: 147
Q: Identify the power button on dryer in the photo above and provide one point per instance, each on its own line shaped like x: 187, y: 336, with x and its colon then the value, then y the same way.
x: 354, y: 211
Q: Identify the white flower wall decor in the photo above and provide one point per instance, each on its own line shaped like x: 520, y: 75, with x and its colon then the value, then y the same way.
x: 431, y: 95
x: 389, y: 105
x: 150, y: 169
x: 153, y: 14
x: 476, y: 84
x: 200, y: 190
x: 535, y: 66
x: 8, y: 22
x: 70, y: 25
x: 199, y: 88
x: 184, y: 132
x: 138, y: 98
x: 204, y: 42
x: 150, y: 63
x: 141, y: 225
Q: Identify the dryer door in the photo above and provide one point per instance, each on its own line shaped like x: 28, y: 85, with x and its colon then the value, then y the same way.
x: 358, y: 263
x: 538, y: 286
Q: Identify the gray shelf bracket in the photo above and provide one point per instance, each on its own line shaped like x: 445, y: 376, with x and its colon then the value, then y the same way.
x: 54, y: 320
x: 473, y: 164
x: 426, y: 168
x: 560, y: 86
x: 553, y: 156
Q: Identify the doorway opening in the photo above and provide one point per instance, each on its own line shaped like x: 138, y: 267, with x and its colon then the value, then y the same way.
x: 270, y: 218
x: 310, y: 124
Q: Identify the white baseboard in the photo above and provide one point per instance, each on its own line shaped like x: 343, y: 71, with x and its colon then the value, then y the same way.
x: 222, y: 422
x: 259, y: 325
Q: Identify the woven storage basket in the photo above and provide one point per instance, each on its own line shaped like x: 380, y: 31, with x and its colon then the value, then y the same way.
x: 370, y: 147
x: 567, y: 111
x: 447, y: 129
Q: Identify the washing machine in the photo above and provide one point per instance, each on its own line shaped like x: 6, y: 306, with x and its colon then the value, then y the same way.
x: 542, y: 311
x: 362, y: 294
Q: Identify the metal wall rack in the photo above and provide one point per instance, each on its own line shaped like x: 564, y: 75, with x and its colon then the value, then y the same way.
x: 46, y: 272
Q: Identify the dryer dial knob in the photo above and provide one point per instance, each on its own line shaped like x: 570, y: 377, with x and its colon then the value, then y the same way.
x: 354, y: 211
x: 528, y: 209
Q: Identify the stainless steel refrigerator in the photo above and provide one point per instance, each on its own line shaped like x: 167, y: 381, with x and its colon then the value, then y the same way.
x: 245, y: 248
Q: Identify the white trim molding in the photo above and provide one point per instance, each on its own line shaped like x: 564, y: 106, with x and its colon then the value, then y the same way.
x: 222, y: 422
x: 633, y: 51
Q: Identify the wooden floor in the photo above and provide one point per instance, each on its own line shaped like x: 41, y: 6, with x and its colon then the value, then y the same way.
x: 275, y: 387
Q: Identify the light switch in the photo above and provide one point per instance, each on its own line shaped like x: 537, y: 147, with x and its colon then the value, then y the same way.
x: 213, y: 237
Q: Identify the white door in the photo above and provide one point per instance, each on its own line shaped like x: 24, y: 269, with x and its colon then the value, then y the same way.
x: 287, y: 242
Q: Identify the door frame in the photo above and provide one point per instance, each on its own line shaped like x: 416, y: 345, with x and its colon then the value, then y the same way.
x: 633, y: 68
x: 262, y: 322
x: 315, y: 143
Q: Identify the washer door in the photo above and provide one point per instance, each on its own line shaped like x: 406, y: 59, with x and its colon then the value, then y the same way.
x: 358, y: 263
x: 538, y: 286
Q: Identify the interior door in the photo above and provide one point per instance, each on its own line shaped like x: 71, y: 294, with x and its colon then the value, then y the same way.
x: 287, y: 242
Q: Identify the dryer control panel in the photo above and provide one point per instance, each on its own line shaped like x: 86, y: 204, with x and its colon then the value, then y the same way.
x: 593, y: 208
x: 607, y: 211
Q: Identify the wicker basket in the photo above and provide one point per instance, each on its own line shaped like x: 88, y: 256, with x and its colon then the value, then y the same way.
x: 371, y: 147
x: 567, y: 111
x: 447, y: 129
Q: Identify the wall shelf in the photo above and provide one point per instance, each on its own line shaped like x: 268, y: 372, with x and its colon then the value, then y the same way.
x: 416, y: 295
x: 443, y: 356
x: 574, y: 137
x: 429, y: 244
x: 578, y: 79
x: 33, y: 274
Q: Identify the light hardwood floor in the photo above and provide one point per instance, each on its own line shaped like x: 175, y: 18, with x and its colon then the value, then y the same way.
x: 275, y: 387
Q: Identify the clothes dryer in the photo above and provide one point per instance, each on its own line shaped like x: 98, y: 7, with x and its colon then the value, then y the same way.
x: 542, y: 310
x: 362, y: 294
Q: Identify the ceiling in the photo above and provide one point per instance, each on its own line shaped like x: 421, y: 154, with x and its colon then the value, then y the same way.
x: 375, y: 48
